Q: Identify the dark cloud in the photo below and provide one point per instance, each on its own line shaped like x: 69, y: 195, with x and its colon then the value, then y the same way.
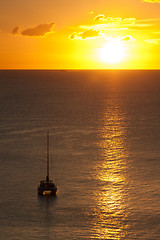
x: 15, y: 30
x: 37, y: 31
x: 85, y: 35
x: 90, y: 34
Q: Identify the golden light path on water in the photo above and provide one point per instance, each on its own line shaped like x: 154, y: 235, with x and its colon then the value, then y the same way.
x: 109, y: 223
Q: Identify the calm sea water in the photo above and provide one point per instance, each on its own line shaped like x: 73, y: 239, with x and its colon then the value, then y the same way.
x: 104, y: 154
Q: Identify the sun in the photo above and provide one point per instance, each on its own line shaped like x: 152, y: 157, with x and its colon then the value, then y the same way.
x: 112, y: 52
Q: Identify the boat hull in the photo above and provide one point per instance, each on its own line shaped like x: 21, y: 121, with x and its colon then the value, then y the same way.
x: 43, y: 192
x: 47, y: 188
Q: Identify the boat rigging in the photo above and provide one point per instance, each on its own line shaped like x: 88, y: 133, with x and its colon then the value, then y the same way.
x: 47, y: 186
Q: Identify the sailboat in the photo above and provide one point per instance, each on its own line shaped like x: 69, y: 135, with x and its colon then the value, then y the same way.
x: 47, y: 186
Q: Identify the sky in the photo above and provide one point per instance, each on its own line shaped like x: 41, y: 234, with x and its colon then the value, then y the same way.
x: 112, y: 34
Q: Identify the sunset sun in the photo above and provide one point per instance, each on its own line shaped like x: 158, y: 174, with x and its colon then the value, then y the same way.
x: 112, y: 52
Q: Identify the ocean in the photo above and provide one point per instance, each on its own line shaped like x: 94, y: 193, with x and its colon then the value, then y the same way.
x: 104, y: 154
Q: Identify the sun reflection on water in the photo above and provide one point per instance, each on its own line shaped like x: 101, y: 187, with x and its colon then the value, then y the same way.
x: 110, y: 209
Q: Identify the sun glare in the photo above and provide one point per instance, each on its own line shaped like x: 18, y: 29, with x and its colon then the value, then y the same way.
x: 112, y: 52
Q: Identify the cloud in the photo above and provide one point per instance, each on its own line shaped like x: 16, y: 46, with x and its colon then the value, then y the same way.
x: 99, y: 17
x: 127, y: 38
x: 153, y: 41
x: 152, y: 1
x: 73, y: 36
x: 15, y: 30
x: 37, y: 31
x: 88, y: 34
x: 116, y: 24
x: 114, y: 21
x: 105, y: 26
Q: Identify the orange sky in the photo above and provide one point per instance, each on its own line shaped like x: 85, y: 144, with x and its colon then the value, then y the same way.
x: 84, y: 34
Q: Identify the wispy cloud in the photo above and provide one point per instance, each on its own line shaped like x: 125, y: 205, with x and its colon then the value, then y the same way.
x: 87, y: 34
x: 152, y: 1
x: 128, y: 23
x: 99, y: 17
x: 105, y: 27
x: 153, y: 41
x: 114, y: 21
x: 101, y: 28
x: 38, y: 31
x: 102, y: 23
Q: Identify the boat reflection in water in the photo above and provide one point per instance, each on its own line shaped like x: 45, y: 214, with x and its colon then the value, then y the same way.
x: 110, y: 197
x: 47, y: 187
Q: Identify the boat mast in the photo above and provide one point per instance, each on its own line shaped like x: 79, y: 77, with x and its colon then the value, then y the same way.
x: 47, y: 177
